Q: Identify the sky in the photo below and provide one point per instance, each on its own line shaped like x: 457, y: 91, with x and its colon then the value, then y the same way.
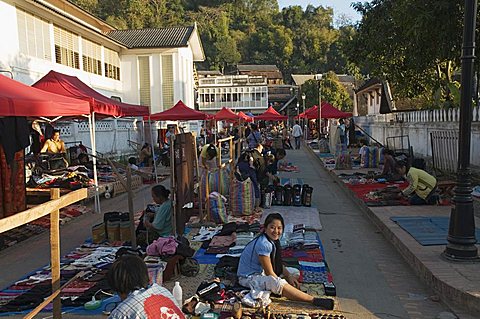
x: 339, y: 6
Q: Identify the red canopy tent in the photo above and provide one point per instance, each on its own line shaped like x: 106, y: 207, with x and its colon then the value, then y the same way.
x: 328, y: 112
x: 179, y: 112
x: 271, y: 115
x: 18, y: 99
x: 226, y: 114
x: 71, y: 86
x: 245, y: 117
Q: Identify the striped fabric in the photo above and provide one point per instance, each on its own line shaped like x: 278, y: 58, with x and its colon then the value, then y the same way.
x: 242, y: 197
x: 218, y: 208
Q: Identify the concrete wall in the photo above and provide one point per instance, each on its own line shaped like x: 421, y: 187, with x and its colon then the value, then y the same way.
x: 418, y: 126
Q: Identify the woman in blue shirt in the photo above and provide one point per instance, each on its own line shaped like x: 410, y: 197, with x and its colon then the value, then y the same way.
x: 261, y: 269
x: 158, y: 221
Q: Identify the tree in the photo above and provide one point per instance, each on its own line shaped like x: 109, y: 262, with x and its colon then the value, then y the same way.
x: 219, y: 43
x: 415, y: 44
x: 332, y: 92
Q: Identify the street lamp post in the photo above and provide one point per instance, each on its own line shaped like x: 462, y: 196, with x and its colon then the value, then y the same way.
x: 304, y: 123
x: 461, y: 231
x: 318, y: 77
x: 298, y: 109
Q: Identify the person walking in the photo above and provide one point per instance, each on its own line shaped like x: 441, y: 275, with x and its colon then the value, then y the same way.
x: 297, y: 135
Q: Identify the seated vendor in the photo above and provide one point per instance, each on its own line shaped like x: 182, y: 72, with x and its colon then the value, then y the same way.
x: 261, y: 268
x: 421, y: 184
x: 389, y: 171
x: 128, y: 277
x: 158, y: 218
x: 54, y: 144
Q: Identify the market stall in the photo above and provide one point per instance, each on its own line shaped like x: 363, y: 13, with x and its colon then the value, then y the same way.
x: 100, y: 106
x: 17, y: 101
x: 271, y: 115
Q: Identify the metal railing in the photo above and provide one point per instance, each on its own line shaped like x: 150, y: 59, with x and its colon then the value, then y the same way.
x: 444, y: 151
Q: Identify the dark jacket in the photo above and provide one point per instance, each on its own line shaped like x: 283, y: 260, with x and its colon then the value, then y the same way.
x: 247, y: 172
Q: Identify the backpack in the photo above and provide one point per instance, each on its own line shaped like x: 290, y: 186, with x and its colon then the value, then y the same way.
x: 189, y: 267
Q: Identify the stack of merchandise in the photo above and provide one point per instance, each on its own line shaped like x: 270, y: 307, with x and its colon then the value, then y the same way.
x: 303, y: 250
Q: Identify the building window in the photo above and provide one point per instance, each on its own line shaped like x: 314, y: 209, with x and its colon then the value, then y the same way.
x: 91, y: 57
x: 167, y: 81
x: 66, y: 48
x: 112, y: 64
x: 144, y: 80
x: 33, y: 35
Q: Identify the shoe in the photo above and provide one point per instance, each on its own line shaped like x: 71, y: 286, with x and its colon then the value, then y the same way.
x: 324, y: 303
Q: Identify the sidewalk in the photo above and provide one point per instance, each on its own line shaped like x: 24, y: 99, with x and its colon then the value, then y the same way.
x: 457, y: 284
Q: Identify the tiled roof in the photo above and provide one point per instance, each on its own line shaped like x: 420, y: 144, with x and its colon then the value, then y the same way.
x: 300, y: 79
x: 153, y: 38
x: 369, y: 83
x: 257, y: 67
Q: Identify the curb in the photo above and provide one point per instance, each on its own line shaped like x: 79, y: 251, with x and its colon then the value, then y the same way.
x: 447, y: 292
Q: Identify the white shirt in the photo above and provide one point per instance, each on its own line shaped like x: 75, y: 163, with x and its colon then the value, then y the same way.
x: 297, y: 131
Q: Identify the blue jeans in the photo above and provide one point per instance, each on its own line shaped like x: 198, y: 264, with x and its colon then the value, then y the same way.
x: 431, y: 199
x: 297, y: 142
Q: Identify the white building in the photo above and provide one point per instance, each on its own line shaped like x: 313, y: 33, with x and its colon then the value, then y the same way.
x: 152, y: 67
x: 238, y: 92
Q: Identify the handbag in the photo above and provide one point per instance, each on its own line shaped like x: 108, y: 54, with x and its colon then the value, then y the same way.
x: 242, y: 197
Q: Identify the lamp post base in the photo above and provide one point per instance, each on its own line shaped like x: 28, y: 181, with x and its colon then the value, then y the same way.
x: 461, y: 254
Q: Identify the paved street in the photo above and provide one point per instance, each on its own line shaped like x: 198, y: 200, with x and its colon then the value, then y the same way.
x: 372, y: 279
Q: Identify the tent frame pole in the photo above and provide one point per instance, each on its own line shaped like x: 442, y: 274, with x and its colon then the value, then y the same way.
x: 153, y: 149
x: 91, y: 120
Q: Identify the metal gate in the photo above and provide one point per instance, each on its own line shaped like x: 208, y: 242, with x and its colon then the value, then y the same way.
x: 444, y: 150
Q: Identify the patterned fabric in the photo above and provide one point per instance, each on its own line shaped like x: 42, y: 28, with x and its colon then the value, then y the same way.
x: 313, y: 277
x: 218, y: 209
x: 12, y: 184
x: 153, y: 302
x: 242, y: 197
x: 218, y: 181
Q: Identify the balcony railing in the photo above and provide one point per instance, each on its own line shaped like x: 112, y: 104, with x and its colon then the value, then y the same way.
x: 233, y: 105
x: 422, y: 116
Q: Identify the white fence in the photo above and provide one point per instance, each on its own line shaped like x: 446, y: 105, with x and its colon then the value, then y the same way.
x: 113, y: 136
x: 117, y: 137
x: 418, y: 125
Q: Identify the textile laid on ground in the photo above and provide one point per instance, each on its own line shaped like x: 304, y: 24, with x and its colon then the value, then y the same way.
x: 40, y: 225
x: 294, y: 214
x: 363, y: 192
x: 427, y: 231
x: 28, y: 292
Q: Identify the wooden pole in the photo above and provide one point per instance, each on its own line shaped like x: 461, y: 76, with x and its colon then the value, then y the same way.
x: 199, y: 179
x: 130, y: 207
x: 173, y: 185
x: 55, y: 253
